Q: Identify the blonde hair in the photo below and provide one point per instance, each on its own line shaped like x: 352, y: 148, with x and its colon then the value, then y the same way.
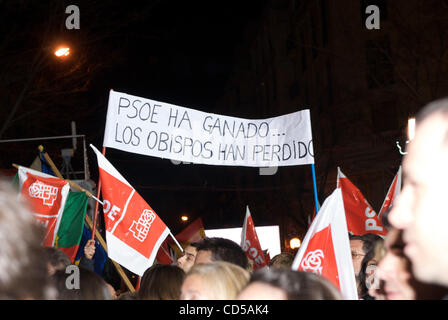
x: 225, y: 280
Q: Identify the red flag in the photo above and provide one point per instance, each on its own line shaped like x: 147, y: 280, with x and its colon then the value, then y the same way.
x: 251, y: 244
x: 134, y: 232
x: 165, y: 255
x: 392, y: 193
x: 169, y: 251
x: 194, y: 232
x: 325, y: 250
x: 46, y: 196
x: 361, y: 218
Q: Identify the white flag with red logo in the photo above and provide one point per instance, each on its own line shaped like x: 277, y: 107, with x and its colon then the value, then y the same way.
x: 392, y: 193
x: 46, y: 196
x: 361, y: 218
x: 325, y: 250
x: 134, y: 232
x: 251, y: 244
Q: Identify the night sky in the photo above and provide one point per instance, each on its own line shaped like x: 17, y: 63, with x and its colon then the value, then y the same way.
x: 186, y: 53
x: 180, y: 52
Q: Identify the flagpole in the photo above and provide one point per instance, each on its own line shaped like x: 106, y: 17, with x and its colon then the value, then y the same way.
x: 87, y: 218
x: 316, y: 200
x: 177, y: 243
x: 117, y: 266
x: 70, y: 182
x: 95, y: 216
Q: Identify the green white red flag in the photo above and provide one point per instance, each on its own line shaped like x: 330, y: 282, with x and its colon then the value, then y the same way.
x: 46, y: 196
x: 134, y: 232
x: 72, y: 223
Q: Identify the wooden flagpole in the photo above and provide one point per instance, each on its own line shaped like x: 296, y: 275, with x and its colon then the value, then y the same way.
x: 97, y: 195
x: 87, y: 218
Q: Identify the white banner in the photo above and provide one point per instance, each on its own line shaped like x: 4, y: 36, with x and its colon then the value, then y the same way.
x: 163, y: 130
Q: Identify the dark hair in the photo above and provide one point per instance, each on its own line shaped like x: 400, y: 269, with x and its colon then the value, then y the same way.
x: 298, y: 285
x: 370, y: 240
x: 161, y: 282
x: 224, y: 250
x: 56, y: 258
x: 23, y: 268
x: 128, y: 296
x: 91, y: 286
x: 282, y: 260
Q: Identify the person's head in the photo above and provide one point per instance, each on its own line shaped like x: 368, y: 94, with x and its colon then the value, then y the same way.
x: 23, y: 267
x: 89, y: 286
x: 112, y: 292
x: 287, y: 284
x: 282, y: 260
x: 210, y: 250
x: 421, y: 209
x: 128, y: 296
x: 56, y: 259
x: 161, y: 282
x: 374, y: 284
x: 214, y: 281
x: 372, y: 245
x: 363, y: 256
x: 395, y: 273
x: 186, y: 261
x: 358, y: 253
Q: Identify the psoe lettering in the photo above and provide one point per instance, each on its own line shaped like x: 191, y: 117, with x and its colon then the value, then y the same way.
x: 138, y: 109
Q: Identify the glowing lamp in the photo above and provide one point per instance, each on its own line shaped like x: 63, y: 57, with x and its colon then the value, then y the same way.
x: 295, y: 243
x: 62, y: 52
x: 411, y: 128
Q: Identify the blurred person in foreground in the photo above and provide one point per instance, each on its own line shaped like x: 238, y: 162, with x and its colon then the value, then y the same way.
x: 23, y: 265
x: 421, y: 209
x: 394, y: 277
x: 89, y: 285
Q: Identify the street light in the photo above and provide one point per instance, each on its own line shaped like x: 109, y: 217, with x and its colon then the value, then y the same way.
x: 411, y: 134
x: 62, y: 52
x: 184, y: 218
x: 295, y: 243
x: 411, y: 128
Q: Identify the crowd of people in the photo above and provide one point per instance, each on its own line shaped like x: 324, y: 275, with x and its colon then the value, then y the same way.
x: 410, y: 263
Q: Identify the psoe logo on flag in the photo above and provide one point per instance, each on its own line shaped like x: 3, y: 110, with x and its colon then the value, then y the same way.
x: 313, y: 262
x: 43, y: 191
x: 140, y: 228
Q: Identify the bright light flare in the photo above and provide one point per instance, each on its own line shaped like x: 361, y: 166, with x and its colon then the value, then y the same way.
x: 62, y: 52
x: 184, y: 218
x: 411, y: 128
x: 295, y: 243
